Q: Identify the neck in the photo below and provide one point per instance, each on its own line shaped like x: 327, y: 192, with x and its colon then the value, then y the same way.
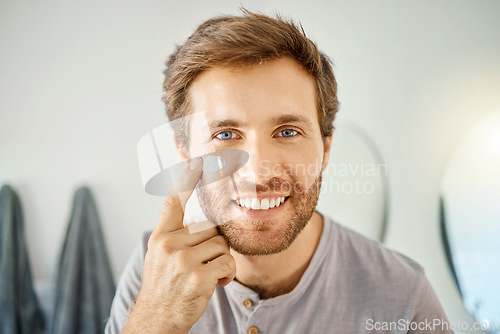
x: 277, y: 274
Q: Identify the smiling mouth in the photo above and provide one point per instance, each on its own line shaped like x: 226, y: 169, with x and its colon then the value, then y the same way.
x: 260, y: 204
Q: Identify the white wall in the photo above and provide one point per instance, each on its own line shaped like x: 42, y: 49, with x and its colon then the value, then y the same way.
x: 80, y: 83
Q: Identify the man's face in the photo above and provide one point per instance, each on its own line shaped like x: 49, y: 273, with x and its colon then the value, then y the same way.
x: 268, y: 110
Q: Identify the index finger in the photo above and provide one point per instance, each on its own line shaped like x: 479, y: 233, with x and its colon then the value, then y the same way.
x: 172, y: 211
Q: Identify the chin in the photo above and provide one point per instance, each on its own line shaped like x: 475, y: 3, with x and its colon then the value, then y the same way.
x: 264, y: 237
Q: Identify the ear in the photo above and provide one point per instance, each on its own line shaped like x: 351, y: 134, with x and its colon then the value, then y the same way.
x: 326, y: 152
x: 182, y: 150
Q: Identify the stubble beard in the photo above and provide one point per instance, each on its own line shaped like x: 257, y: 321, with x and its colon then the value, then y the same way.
x: 248, y: 237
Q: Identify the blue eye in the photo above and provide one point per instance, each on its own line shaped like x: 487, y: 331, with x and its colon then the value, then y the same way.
x: 225, y: 135
x: 287, y: 133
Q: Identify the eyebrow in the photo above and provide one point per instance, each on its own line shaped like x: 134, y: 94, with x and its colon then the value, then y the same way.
x: 292, y: 118
x: 282, y: 119
x: 223, y: 123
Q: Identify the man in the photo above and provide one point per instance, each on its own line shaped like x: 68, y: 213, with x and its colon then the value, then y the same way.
x: 272, y: 264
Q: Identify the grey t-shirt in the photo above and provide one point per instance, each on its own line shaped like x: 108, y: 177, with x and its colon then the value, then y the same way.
x: 352, y: 285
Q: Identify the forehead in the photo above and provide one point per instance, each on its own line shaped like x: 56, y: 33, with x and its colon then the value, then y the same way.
x: 257, y: 94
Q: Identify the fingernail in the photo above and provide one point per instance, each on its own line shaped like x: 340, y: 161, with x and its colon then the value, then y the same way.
x: 195, y: 163
x: 213, y: 163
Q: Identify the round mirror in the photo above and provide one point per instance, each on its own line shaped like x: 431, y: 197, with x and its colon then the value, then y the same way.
x: 354, y: 189
x: 470, y: 218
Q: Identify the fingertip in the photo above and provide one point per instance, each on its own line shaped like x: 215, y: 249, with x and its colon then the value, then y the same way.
x: 195, y: 163
x: 225, y: 281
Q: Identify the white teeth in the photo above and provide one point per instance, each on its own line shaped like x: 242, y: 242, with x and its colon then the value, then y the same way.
x: 272, y: 203
x: 255, y: 204
x: 264, y: 204
x: 248, y: 202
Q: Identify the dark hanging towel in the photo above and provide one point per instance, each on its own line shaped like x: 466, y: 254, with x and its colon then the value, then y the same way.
x: 20, y: 311
x: 84, y: 287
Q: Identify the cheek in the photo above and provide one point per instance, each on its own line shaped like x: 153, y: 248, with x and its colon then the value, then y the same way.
x: 304, y: 168
x: 215, y: 184
x: 195, y: 149
x: 307, y: 151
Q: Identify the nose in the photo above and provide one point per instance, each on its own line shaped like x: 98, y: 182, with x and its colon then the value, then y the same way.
x: 264, y: 161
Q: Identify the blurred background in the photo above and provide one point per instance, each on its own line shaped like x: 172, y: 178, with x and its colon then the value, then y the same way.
x: 80, y: 84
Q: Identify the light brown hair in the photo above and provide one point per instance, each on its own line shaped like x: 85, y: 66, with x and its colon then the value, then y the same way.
x: 245, y: 41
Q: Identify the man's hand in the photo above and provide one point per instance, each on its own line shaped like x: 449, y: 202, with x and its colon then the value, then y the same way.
x: 181, y: 269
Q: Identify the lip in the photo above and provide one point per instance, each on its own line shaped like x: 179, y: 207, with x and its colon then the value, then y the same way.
x: 262, y: 196
x: 261, y: 214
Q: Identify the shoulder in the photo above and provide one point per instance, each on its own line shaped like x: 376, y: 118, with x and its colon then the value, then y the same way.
x: 354, y: 246
x: 127, y: 288
x: 371, y: 269
x: 378, y: 276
